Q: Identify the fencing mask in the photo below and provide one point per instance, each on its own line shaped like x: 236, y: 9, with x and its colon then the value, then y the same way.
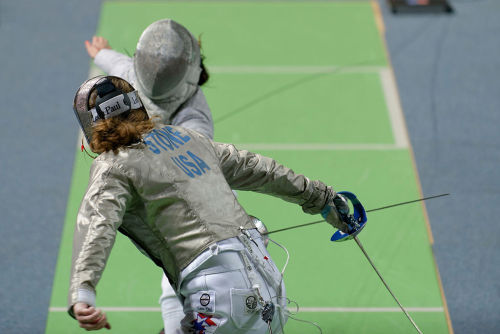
x: 110, y: 102
x: 167, y: 63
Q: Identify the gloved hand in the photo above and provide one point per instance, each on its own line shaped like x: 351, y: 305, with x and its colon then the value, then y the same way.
x: 334, y: 210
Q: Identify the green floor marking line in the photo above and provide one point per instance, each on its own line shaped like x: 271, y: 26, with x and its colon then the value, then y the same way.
x: 320, y: 112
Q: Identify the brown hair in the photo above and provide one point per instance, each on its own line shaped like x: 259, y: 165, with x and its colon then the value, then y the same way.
x: 204, y: 76
x: 122, y: 130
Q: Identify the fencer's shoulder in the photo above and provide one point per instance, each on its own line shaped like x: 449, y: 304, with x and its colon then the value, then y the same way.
x: 198, y: 97
x: 103, y: 159
x: 110, y: 55
x: 197, y: 101
x: 174, y: 132
x: 193, y: 134
x: 115, y: 63
x: 109, y: 163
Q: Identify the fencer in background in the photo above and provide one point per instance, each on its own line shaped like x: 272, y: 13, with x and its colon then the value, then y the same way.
x: 168, y: 71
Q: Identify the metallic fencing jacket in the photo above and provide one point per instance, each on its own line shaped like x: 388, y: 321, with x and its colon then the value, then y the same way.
x: 171, y: 195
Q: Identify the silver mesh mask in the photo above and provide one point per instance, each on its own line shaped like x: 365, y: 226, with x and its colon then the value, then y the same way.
x: 114, y: 106
x: 167, y: 63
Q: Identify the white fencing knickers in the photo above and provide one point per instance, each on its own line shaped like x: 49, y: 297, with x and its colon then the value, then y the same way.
x: 224, y: 289
x: 171, y: 308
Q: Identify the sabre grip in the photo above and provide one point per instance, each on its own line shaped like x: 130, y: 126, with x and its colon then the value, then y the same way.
x: 268, y: 312
x: 342, y: 207
x: 336, y: 213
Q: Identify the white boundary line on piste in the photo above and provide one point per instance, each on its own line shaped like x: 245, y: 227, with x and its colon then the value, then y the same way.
x: 302, y: 309
x: 394, y: 107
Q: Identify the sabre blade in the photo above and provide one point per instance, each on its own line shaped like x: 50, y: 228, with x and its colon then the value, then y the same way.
x: 387, y: 286
x: 371, y: 210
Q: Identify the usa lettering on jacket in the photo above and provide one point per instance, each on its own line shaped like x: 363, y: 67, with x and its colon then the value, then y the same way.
x: 167, y: 139
x: 192, y: 165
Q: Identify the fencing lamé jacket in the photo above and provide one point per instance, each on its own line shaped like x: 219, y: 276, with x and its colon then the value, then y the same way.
x: 171, y: 194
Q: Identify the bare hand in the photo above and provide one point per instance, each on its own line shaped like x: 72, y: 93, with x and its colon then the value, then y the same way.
x: 90, y: 318
x: 98, y: 43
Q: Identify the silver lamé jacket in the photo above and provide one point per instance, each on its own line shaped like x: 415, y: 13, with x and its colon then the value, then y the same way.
x: 171, y: 195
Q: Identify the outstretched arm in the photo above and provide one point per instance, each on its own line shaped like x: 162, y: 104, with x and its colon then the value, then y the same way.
x: 195, y: 115
x: 245, y: 170
x: 109, y: 60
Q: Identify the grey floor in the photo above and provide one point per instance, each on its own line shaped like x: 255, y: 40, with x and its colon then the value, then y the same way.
x: 448, y: 73
x: 43, y: 62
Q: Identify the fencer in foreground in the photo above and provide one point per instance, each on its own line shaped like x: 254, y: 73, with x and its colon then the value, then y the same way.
x: 169, y: 190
